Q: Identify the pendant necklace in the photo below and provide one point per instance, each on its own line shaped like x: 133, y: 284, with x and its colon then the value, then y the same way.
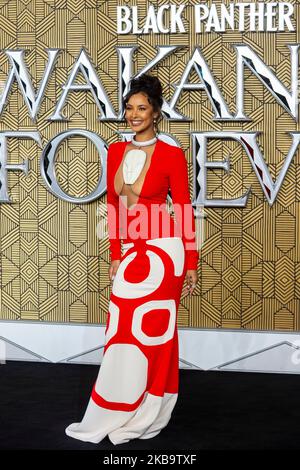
x: 135, y: 160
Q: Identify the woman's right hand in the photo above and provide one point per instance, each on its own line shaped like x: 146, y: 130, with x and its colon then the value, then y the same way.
x: 112, y: 271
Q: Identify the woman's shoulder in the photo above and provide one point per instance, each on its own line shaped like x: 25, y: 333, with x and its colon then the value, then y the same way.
x: 114, y: 148
x: 115, y: 145
x: 171, y: 150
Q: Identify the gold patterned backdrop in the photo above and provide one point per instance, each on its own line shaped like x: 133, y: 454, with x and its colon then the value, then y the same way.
x: 54, y: 268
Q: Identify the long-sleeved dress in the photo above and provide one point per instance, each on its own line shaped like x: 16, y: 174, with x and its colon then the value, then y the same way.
x: 137, y: 384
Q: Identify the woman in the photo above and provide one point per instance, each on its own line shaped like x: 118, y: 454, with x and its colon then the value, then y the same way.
x: 137, y: 385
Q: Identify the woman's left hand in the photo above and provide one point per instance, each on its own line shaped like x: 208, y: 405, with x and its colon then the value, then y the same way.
x: 191, y: 279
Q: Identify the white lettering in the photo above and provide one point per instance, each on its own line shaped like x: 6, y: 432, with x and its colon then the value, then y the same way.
x: 260, y: 16
x: 154, y: 22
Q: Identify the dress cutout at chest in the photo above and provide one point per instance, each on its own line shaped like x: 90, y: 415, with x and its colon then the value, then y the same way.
x: 131, y: 175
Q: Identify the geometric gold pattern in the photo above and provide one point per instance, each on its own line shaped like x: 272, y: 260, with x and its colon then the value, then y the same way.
x: 53, y: 266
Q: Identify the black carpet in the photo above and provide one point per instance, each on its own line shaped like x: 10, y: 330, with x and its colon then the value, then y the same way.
x: 215, y: 410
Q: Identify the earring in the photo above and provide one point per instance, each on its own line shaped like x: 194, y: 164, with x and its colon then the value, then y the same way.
x: 155, y: 125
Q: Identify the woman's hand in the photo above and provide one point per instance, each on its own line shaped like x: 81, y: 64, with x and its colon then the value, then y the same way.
x: 112, y: 271
x: 191, y: 279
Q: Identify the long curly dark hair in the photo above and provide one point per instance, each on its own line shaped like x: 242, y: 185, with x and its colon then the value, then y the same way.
x: 149, y: 85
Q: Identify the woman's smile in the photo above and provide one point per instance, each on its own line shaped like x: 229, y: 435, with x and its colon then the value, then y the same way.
x: 136, y: 123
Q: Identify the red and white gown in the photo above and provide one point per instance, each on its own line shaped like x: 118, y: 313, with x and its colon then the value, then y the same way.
x: 137, y: 384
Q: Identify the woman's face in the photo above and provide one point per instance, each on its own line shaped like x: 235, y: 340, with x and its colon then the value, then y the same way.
x: 139, y: 113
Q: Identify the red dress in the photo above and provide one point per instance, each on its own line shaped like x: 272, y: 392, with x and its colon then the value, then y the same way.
x: 137, y: 384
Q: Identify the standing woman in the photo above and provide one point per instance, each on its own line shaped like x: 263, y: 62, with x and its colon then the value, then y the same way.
x: 137, y: 384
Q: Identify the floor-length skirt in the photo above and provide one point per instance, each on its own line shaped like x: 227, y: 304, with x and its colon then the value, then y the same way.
x: 137, y: 384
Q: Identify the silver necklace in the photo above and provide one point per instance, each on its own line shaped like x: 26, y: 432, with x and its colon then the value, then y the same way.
x: 144, y: 143
x: 134, y: 160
